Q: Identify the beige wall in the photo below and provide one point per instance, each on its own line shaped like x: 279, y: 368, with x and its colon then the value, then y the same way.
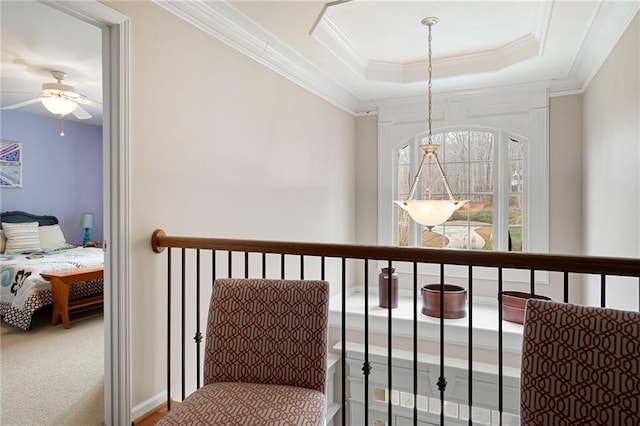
x: 611, y: 160
x: 221, y: 146
x: 565, y: 187
x: 565, y: 168
x: 366, y: 166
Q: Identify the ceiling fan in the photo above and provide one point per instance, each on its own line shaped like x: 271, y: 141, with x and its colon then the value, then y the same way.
x: 59, y: 99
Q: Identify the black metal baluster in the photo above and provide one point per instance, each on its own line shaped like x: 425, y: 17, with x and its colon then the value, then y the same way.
x: 322, y: 265
x: 415, y: 344
x: 230, y: 265
x: 566, y: 287
x: 198, y: 335
x: 264, y: 265
x: 246, y: 264
x: 213, y: 267
x: 442, y: 380
x: 500, y: 378
x: 366, y: 367
x: 302, y: 267
x: 470, y: 372
x: 532, y: 283
x: 282, y: 266
x: 603, y: 290
x: 183, y: 316
x: 169, y: 329
x: 389, y: 342
x: 344, y: 341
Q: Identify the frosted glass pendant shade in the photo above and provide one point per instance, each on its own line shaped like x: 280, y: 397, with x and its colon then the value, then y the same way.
x: 58, y: 105
x: 430, y: 213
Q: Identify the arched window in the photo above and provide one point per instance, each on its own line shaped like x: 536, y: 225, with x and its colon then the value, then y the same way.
x: 484, y: 166
x: 494, y: 147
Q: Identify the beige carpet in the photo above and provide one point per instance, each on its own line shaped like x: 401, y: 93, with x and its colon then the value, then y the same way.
x: 53, y: 376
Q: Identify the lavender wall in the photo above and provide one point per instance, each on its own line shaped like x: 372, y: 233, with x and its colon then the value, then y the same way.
x: 62, y: 176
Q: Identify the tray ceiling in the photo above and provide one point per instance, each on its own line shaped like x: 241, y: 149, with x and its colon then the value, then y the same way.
x: 354, y: 54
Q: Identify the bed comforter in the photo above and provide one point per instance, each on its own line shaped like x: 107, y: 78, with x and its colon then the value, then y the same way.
x: 23, y: 290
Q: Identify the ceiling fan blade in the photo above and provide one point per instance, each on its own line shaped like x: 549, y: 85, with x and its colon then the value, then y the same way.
x: 81, y: 113
x: 85, y: 101
x: 13, y: 92
x: 22, y: 104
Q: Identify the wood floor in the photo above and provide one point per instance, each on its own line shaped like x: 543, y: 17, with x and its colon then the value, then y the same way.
x: 153, y: 416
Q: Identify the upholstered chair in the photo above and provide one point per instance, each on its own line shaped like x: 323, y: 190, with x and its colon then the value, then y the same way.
x: 265, y: 356
x: 580, y: 365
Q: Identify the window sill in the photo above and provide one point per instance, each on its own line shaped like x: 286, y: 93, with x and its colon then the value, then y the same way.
x: 456, y: 331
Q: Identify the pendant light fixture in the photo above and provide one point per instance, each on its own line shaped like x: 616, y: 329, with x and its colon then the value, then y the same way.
x: 430, y: 212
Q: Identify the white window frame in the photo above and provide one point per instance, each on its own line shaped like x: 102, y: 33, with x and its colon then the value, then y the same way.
x: 518, y: 113
x: 501, y: 181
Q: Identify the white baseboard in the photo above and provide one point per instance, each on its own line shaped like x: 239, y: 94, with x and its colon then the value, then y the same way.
x: 145, y: 406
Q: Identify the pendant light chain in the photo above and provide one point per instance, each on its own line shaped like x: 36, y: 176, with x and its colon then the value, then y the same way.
x: 428, y: 189
x: 428, y: 212
x: 430, y: 85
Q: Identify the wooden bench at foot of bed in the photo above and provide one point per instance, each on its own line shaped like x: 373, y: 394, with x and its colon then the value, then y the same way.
x: 61, y: 283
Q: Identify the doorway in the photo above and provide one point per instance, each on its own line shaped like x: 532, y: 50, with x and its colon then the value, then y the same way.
x: 116, y: 154
x: 114, y: 29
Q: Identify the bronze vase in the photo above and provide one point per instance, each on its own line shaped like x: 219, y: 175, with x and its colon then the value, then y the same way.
x: 383, y: 288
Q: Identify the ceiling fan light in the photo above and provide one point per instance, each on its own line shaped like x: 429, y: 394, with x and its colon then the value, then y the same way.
x: 58, y: 105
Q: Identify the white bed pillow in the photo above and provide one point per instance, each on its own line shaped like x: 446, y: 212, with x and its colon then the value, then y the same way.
x: 51, y: 237
x: 21, y: 237
x: 3, y: 241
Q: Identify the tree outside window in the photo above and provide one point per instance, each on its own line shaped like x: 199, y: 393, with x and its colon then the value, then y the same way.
x: 471, y: 161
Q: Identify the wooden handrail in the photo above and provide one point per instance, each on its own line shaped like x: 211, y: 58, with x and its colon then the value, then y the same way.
x: 538, y: 261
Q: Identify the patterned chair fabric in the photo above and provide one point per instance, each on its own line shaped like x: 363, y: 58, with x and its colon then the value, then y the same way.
x: 580, y: 365
x: 249, y: 404
x: 265, y: 355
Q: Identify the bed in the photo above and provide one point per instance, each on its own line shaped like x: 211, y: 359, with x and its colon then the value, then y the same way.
x: 25, y: 254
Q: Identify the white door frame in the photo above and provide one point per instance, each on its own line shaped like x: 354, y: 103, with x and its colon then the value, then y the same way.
x: 116, y: 196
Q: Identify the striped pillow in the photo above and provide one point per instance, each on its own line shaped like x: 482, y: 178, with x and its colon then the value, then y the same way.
x: 21, y: 237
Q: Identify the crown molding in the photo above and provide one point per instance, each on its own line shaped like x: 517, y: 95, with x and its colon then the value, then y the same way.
x: 534, y: 94
x: 475, y: 63
x: 562, y: 87
x: 566, y: 93
x: 224, y: 22
x: 542, y: 25
x: 335, y: 40
x: 609, y: 22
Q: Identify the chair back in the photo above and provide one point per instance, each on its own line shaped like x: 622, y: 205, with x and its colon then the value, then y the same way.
x: 268, y: 331
x: 580, y: 365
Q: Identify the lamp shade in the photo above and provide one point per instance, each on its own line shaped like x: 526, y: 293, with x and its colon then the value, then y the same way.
x: 87, y: 220
x: 430, y: 213
x: 58, y: 105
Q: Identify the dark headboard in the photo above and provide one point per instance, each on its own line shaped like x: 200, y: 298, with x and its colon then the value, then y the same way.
x: 21, y: 217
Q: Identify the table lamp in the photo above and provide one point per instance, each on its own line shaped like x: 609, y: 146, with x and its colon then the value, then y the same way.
x: 86, y: 222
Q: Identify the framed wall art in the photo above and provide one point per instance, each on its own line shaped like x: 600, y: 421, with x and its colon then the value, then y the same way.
x: 10, y: 164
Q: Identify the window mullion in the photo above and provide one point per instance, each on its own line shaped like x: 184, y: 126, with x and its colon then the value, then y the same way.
x: 415, y: 229
x: 500, y: 194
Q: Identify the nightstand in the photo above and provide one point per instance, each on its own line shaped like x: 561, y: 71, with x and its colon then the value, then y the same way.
x: 97, y: 244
